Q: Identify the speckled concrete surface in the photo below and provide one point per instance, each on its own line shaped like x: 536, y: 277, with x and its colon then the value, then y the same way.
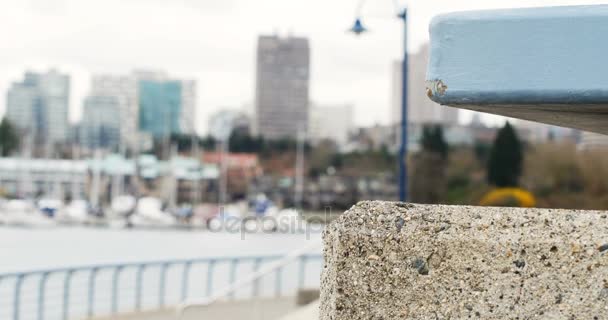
x: 389, y: 260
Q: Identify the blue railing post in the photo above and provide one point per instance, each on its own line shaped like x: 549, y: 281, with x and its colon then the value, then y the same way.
x: 161, y: 285
x: 1, y: 278
x: 403, y: 178
x: 17, y: 299
x: 211, y: 264
x: 66, y: 293
x: 92, y: 276
x: 115, y: 280
x: 41, y: 290
x: 256, y: 284
x: 233, y: 264
x: 138, y: 284
x: 185, y: 279
x: 302, y: 272
x: 278, y: 280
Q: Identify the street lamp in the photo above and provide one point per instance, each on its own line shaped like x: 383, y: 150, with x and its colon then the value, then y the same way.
x: 358, y: 29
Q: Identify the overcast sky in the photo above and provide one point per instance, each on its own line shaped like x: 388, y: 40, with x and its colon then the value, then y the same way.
x: 213, y: 42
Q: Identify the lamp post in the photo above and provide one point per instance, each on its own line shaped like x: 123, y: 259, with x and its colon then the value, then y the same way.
x: 358, y: 29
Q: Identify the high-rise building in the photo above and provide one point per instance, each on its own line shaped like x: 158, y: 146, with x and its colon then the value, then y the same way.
x: 421, y: 109
x: 187, y: 115
x: 22, y: 106
x: 150, y: 103
x: 159, y: 107
x: 331, y: 122
x: 282, y: 86
x: 100, y: 127
x: 39, y: 105
x: 166, y: 106
x: 123, y: 88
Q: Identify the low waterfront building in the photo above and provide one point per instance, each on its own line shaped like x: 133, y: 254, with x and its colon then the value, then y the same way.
x: 241, y: 169
x: 61, y: 178
x: 32, y: 177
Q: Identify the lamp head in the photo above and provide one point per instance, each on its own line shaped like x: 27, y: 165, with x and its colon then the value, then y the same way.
x: 358, y: 27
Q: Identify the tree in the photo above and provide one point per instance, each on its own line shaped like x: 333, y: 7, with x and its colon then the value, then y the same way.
x: 9, y: 139
x: 184, y: 142
x: 506, y: 157
x: 243, y: 142
x: 432, y: 140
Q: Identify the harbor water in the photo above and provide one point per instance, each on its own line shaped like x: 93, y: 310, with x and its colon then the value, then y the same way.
x: 24, y: 249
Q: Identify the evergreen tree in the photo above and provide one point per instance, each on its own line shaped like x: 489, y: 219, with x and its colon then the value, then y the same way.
x: 506, y: 157
x: 243, y: 142
x: 9, y: 139
x: 432, y: 140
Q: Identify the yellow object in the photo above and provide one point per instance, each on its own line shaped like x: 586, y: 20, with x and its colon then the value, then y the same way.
x: 508, y: 197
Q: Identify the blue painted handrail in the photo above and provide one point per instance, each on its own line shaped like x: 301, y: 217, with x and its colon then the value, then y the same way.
x: 540, y: 64
x: 94, y: 287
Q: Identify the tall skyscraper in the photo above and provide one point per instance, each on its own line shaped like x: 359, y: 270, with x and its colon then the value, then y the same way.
x: 39, y: 106
x: 421, y: 109
x: 282, y: 86
x: 100, y: 125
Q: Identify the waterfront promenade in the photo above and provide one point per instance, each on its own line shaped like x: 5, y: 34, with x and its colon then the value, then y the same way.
x: 68, y: 273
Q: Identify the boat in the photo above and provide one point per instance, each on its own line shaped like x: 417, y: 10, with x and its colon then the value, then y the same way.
x: 149, y: 213
x: 50, y: 206
x: 76, y: 212
x: 20, y: 212
x: 122, y: 206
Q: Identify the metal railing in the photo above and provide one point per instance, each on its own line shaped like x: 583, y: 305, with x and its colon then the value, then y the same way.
x: 110, y: 289
x: 275, y: 267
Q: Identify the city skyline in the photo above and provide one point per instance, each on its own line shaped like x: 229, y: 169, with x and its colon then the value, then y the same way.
x: 120, y: 111
x: 203, y: 41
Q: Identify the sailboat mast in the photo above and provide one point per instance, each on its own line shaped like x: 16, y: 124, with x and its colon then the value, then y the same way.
x: 223, y: 172
x: 117, y: 176
x: 173, y: 177
x: 299, y: 172
x: 94, y: 194
x: 197, y: 183
x: 75, y: 182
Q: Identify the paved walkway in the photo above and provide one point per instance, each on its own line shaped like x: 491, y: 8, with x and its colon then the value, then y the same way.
x: 309, y: 312
x: 259, y: 309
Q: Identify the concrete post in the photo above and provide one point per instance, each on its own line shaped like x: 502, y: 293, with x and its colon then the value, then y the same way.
x: 390, y: 260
